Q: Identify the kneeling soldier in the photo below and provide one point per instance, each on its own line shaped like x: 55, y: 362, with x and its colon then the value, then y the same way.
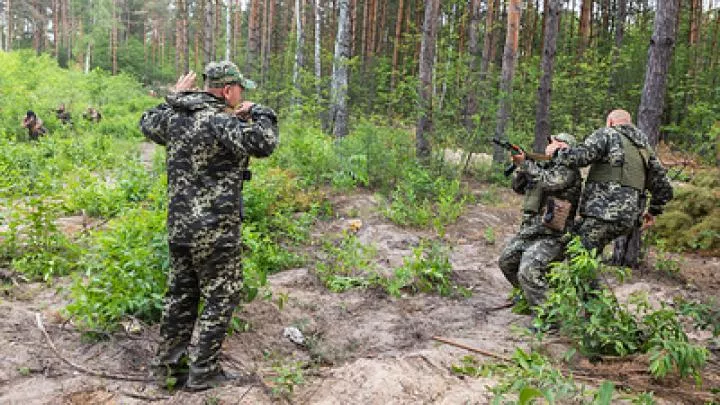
x: 552, y: 192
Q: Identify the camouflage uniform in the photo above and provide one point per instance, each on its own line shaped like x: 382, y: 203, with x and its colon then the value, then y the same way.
x: 63, y: 115
x: 208, y: 148
x: 34, y: 125
x: 525, y: 259
x: 610, y: 209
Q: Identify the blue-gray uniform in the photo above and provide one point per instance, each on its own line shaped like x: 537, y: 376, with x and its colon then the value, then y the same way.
x: 208, y: 148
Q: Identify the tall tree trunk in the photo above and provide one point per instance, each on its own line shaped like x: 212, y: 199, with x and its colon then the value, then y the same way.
x: 396, y: 45
x: 208, y: 32
x: 605, y: 14
x: 542, y: 113
x: 471, y: 105
x: 508, y: 70
x: 659, y: 58
x: 365, y: 33
x: 318, y: 67
x: 299, y: 45
x: 113, y: 41
x: 227, y: 28
x: 585, y: 18
x: 269, y: 40
x: 427, y: 57
x: 619, y: 33
x: 627, y: 249
x: 488, y: 41
x: 353, y: 25
x: 55, y: 22
x: 339, y: 86
x: 251, y: 62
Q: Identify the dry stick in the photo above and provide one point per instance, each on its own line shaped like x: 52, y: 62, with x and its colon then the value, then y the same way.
x: 78, y: 367
x: 470, y: 348
x: 141, y: 396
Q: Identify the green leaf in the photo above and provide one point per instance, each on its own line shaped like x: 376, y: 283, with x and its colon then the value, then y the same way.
x: 527, y: 394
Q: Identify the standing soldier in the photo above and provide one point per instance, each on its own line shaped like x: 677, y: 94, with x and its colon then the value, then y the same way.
x: 34, y: 125
x: 552, y: 192
x: 63, y: 115
x: 623, y: 166
x: 208, y: 148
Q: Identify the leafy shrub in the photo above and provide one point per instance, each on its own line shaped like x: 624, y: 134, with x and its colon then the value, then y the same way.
x: 123, y: 272
x: 600, y: 325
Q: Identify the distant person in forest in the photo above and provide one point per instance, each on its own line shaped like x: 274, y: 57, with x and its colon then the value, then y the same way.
x: 552, y: 193
x: 208, y: 150
x: 34, y: 125
x: 623, y: 166
x: 63, y: 115
x: 92, y: 115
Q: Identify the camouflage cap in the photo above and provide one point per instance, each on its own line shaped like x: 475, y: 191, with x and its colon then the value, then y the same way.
x: 565, y: 137
x: 218, y: 74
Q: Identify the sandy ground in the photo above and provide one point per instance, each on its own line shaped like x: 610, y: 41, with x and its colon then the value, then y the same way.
x: 365, y: 347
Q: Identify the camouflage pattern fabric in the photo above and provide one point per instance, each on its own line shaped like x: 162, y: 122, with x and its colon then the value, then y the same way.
x: 610, y: 201
x: 525, y: 258
x: 218, y: 74
x: 596, y: 233
x: 213, y: 275
x: 207, y: 150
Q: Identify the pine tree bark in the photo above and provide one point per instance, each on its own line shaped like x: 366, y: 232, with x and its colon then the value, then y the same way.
x: 508, y: 71
x: 113, y: 40
x: 542, y: 113
x: 339, y: 85
x: 471, y: 104
x: 268, y: 39
x: 396, y: 45
x: 423, y: 147
x: 251, y: 62
x: 488, y: 41
x: 627, y: 249
x: 208, y: 32
x: 585, y: 18
x: 353, y: 25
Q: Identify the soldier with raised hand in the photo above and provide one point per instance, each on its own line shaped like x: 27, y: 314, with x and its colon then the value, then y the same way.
x: 34, y: 125
x: 623, y: 166
x: 208, y: 148
x: 552, y: 193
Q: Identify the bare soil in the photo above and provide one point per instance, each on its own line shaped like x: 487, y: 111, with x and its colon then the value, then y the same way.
x: 365, y: 346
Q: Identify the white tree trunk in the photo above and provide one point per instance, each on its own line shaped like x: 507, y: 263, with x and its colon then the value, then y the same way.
x: 299, y: 41
x: 227, y: 29
x: 338, y: 88
x: 318, y: 67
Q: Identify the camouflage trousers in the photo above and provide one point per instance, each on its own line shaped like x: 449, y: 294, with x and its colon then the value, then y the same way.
x: 524, y: 262
x: 213, y: 276
x: 596, y: 234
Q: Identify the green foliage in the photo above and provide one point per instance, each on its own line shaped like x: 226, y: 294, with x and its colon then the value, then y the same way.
x: 599, y: 324
x: 427, y: 270
x: 345, y: 263
x: 32, y: 243
x: 287, y: 377
x: 692, y: 218
x: 124, y: 272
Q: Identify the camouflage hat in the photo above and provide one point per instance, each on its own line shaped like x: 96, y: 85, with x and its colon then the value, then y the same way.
x: 565, y: 137
x: 218, y: 74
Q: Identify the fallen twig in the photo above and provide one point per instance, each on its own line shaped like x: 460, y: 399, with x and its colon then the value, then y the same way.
x: 38, y: 319
x: 151, y: 398
x: 470, y: 348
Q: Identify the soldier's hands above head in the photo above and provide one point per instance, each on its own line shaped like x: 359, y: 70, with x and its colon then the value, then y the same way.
x: 648, y: 220
x: 519, y: 158
x: 185, y: 82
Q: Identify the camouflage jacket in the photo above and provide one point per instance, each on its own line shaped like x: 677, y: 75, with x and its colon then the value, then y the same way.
x: 556, y: 180
x: 610, y: 201
x: 207, y: 150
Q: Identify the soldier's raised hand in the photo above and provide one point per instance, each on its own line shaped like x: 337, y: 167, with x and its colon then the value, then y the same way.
x: 185, y: 82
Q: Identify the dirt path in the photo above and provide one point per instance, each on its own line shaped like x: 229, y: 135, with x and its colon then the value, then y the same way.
x: 371, y: 348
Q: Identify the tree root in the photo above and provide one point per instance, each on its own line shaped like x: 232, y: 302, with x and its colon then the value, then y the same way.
x: 84, y: 370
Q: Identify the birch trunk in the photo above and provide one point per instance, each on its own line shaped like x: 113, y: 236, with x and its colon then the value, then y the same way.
x: 338, y: 88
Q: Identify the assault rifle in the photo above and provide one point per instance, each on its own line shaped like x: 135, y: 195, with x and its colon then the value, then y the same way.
x: 516, y: 150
